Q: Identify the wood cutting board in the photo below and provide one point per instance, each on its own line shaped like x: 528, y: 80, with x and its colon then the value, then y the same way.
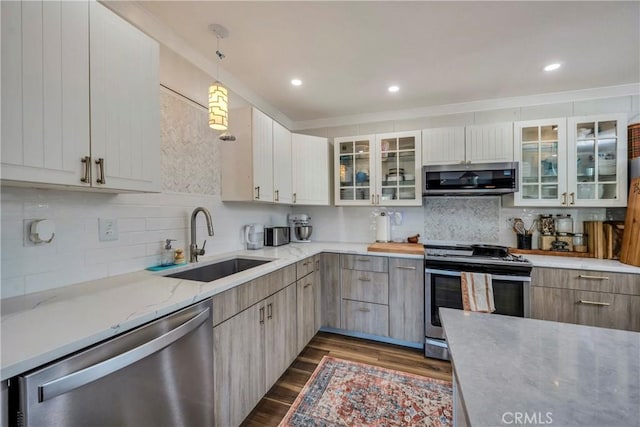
x: 398, y: 248
x: 551, y: 253
x: 630, y: 253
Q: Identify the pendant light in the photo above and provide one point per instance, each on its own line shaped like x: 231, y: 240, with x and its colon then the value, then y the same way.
x: 218, y: 96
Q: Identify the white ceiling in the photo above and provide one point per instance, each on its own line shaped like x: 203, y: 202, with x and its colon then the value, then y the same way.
x: 347, y: 53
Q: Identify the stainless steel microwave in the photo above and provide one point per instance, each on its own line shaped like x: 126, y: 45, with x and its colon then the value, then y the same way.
x: 473, y: 179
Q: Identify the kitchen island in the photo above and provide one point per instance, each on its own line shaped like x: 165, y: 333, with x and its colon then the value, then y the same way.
x: 514, y: 371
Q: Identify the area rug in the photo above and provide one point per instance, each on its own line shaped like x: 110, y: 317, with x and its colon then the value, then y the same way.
x: 344, y: 393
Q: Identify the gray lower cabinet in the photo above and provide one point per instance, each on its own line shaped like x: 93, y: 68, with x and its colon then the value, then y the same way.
x: 4, y: 405
x: 250, y: 352
x: 592, y: 298
x: 406, y: 299
x: 309, y: 304
x: 365, y: 317
x: 330, y: 290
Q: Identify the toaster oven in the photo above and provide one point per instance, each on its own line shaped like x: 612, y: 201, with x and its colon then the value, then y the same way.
x: 276, y: 236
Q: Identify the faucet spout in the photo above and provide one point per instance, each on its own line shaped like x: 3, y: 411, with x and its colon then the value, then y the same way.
x: 193, y: 247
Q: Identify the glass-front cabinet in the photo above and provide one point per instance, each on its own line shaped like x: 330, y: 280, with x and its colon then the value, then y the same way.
x: 540, y: 148
x: 579, y: 161
x: 383, y: 169
x: 598, y: 160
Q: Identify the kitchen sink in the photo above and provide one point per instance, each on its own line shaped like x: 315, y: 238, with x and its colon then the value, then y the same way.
x: 218, y: 270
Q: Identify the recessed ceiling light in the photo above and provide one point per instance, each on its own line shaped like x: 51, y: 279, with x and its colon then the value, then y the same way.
x: 296, y: 82
x: 552, y: 67
x: 393, y: 88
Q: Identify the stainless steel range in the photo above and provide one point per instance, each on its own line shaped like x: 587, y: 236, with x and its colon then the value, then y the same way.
x: 511, y: 279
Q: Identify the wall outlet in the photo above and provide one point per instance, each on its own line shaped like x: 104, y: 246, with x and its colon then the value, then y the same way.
x: 107, y: 229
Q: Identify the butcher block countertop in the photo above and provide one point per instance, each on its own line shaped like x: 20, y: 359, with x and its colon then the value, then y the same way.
x: 397, y: 248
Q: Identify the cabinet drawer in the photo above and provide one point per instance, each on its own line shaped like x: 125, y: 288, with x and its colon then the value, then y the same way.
x: 365, y: 286
x: 587, y: 280
x: 607, y: 310
x: 364, y: 262
x: 365, y: 317
x: 305, y: 267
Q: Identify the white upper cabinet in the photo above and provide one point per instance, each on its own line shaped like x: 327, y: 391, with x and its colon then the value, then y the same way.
x: 282, y: 167
x: 262, y: 132
x: 80, y: 98
x: 45, y: 91
x: 125, y: 104
x: 579, y: 161
x: 381, y: 169
x: 310, y: 157
x: 470, y: 144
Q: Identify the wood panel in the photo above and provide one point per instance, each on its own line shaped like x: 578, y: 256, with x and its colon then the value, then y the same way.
x: 406, y: 299
x: 398, y: 248
x: 378, y: 264
x: 553, y: 304
x: 365, y: 286
x: 330, y: 290
x: 365, y: 317
x: 551, y: 253
x: 306, y: 310
x: 607, y: 310
x: 280, y: 339
x: 304, y: 267
x: 225, y: 306
x: 275, y: 404
x: 630, y: 253
x: 587, y: 280
x: 317, y: 294
x: 595, y: 238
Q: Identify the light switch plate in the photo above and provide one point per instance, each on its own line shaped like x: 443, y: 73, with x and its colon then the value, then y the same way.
x: 107, y: 229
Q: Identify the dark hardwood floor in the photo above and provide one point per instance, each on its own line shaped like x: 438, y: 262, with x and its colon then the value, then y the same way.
x: 273, y: 407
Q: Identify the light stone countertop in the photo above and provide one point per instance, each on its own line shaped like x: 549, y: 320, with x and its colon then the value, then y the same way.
x: 574, y: 263
x: 38, y: 328
x: 580, y: 375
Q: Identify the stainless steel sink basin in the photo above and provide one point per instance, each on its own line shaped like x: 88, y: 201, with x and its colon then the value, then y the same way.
x: 218, y: 270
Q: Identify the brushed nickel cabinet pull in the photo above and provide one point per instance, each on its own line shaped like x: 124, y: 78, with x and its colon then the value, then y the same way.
x: 306, y: 286
x: 261, y: 315
x: 373, y: 199
x: 270, y: 311
x: 404, y: 267
x: 101, y: 178
x: 364, y: 310
x: 586, y: 276
x: 377, y: 199
x: 277, y: 195
x: 306, y: 263
x: 573, y: 198
x: 317, y: 264
x: 295, y: 197
x: 363, y: 260
x: 86, y: 176
x: 257, y: 190
x: 582, y: 301
x: 564, y: 198
x: 364, y: 279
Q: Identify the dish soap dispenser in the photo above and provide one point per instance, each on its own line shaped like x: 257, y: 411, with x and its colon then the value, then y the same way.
x: 167, y: 253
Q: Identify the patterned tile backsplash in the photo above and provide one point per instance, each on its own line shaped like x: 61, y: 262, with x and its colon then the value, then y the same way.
x: 462, y: 219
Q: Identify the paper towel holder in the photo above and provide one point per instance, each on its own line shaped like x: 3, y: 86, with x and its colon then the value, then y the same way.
x: 383, y: 228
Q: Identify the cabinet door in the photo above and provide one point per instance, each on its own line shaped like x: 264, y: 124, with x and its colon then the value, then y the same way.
x: 398, y: 169
x: 354, y: 170
x: 365, y: 317
x: 306, y: 310
x: 262, y: 136
x: 443, y: 146
x: 317, y: 294
x: 553, y: 304
x: 45, y: 91
x: 406, y: 299
x: 125, y: 106
x: 330, y: 281
x: 310, y: 170
x: 540, y: 148
x: 282, y: 167
x: 238, y: 359
x: 489, y: 143
x: 597, y: 160
x: 280, y: 336
x: 607, y: 310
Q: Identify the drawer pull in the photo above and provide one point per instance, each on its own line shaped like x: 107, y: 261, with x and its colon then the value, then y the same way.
x: 306, y: 286
x: 363, y: 260
x: 582, y: 301
x: 364, y: 310
x: 364, y: 279
x: 584, y: 276
x: 404, y: 267
x: 306, y: 263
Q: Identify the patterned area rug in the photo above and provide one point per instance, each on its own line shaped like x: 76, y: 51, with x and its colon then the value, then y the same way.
x: 343, y: 393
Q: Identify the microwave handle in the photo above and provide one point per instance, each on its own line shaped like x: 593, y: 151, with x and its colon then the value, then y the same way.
x: 493, y: 276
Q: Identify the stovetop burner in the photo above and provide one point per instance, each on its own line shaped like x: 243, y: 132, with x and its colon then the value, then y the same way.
x: 474, y: 254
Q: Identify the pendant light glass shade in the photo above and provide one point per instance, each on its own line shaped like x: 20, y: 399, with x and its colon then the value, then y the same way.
x: 218, y: 107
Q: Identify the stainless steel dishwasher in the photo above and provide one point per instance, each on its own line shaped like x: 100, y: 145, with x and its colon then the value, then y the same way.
x: 160, y: 374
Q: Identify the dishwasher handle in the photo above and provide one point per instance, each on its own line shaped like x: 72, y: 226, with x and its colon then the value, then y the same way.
x: 92, y: 373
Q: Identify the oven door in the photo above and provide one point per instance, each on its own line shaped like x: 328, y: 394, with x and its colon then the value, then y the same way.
x: 443, y: 289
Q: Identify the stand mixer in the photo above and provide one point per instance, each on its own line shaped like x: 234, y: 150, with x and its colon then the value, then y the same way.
x: 301, y: 225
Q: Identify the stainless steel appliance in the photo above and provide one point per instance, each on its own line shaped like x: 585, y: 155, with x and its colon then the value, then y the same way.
x: 276, y: 236
x: 474, y: 179
x: 301, y: 225
x: 511, y: 280
x: 158, y: 374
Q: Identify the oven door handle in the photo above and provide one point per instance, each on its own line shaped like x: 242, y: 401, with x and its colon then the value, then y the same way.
x: 493, y: 276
